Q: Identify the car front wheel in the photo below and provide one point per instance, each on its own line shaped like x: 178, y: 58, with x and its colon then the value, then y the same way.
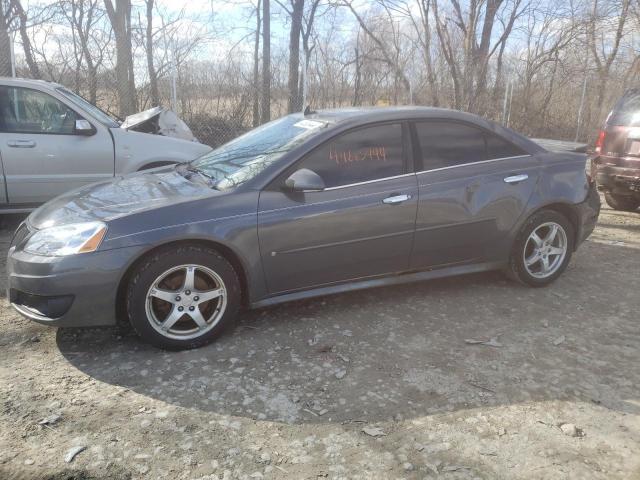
x: 183, y: 297
x: 625, y: 203
x: 542, y: 249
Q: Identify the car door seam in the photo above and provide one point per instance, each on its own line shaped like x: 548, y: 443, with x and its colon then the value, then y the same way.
x: 344, y: 242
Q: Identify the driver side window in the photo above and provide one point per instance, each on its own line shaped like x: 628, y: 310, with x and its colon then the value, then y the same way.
x: 361, y: 155
x: 23, y: 110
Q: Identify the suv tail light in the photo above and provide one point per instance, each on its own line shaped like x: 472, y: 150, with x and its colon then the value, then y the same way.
x: 600, y: 141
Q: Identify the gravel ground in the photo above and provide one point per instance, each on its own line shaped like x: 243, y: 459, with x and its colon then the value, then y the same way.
x: 375, y: 384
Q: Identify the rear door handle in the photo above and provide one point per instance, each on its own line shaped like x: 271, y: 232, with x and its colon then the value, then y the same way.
x: 516, y: 178
x: 21, y: 143
x: 396, y: 199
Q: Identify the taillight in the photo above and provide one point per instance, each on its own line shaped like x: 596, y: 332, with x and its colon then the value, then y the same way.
x: 600, y: 141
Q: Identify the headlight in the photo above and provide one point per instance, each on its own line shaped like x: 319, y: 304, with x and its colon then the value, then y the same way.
x: 67, y: 239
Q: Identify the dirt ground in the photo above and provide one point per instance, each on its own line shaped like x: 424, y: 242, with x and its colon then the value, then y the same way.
x: 374, y: 384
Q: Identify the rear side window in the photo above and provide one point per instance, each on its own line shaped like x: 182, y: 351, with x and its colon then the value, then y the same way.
x: 446, y: 144
x: 499, y: 148
x: 361, y: 155
x: 627, y: 110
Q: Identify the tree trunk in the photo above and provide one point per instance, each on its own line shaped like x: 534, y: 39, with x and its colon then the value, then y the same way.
x: 256, y: 70
x: 294, y: 102
x: 266, y: 62
x: 5, y: 44
x: 34, y: 71
x: 425, y: 7
x: 120, y: 18
x: 153, y: 75
x: 358, y: 79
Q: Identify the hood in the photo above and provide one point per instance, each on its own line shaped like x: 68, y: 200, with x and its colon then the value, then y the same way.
x: 118, y: 197
x: 159, y: 121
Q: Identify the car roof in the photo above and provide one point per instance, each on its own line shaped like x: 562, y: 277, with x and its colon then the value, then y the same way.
x: 28, y: 82
x: 373, y: 114
x: 360, y: 116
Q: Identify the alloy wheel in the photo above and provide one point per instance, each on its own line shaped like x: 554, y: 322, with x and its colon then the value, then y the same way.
x: 545, y: 250
x: 186, y: 301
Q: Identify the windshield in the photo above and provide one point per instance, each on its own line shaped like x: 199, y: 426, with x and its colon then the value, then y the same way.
x: 99, y: 114
x: 245, y: 157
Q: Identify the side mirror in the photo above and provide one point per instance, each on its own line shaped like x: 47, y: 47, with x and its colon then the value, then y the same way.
x: 83, y: 127
x: 304, y: 180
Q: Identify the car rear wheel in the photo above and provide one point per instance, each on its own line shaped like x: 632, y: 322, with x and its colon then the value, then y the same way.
x: 542, y: 249
x: 625, y: 203
x: 183, y: 297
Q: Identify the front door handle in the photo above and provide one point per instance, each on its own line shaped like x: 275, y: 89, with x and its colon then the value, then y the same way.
x: 395, y: 199
x: 21, y: 143
x: 516, y: 178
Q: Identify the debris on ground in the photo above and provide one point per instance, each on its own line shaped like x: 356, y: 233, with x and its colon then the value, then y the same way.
x: 559, y: 340
x: 33, y: 339
x: 373, y: 431
x: 72, y: 452
x: 570, y: 430
x: 50, y: 420
x: 492, y: 342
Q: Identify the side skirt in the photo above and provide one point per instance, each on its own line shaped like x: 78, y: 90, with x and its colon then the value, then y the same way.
x: 378, y: 282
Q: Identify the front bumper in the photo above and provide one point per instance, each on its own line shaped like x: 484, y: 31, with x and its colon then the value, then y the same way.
x: 73, y: 291
x: 588, y: 213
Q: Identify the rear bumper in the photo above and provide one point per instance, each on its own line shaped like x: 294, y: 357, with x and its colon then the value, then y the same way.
x: 74, y: 291
x: 588, y: 212
x: 618, y: 180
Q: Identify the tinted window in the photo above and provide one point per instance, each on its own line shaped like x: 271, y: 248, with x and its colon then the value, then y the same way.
x: 627, y: 110
x: 500, y: 148
x: 358, y: 156
x: 445, y: 144
x: 23, y: 110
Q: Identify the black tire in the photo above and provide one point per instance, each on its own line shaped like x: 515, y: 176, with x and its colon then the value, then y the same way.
x: 164, y: 260
x: 625, y: 203
x: 517, y: 269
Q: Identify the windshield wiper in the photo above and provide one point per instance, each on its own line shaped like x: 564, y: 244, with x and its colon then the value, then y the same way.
x: 212, y: 180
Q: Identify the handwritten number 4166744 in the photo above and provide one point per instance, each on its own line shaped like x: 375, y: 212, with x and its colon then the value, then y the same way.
x: 345, y: 157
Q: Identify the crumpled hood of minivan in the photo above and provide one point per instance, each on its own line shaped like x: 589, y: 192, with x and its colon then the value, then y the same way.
x: 118, y: 197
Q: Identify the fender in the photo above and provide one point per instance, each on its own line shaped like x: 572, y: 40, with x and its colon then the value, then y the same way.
x: 563, y: 183
x: 228, y: 223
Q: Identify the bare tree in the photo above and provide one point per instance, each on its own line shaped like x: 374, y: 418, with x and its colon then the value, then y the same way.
x: 266, y: 62
x: 24, y: 37
x: 120, y: 18
x: 5, y: 40
x: 256, y: 69
x: 296, y: 12
x: 390, y: 51
x: 85, y: 17
x: 604, y: 53
x: 153, y: 76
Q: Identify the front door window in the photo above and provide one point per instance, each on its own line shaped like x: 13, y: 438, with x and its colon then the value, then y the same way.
x: 357, y: 156
x: 23, y: 110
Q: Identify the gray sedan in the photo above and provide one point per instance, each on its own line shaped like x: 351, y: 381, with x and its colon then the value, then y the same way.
x: 303, y: 206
